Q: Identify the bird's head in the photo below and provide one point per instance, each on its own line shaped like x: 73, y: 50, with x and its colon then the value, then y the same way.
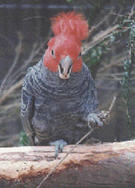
x: 64, y: 49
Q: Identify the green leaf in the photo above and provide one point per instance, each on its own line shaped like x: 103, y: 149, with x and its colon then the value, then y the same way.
x: 24, y: 141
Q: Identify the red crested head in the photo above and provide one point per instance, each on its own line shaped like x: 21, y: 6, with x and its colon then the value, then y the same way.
x: 64, y: 49
x: 70, y: 23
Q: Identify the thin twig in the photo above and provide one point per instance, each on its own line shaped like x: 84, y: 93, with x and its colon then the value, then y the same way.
x: 5, y: 83
x: 95, y: 27
x: 112, y: 104
x: 9, y: 141
x: 10, y: 91
x: 5, y: 108
x: 132, y: 12
x: 117, y: 61
x: 98, y: 38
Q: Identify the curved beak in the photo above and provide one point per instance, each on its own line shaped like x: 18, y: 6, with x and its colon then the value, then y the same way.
x: 65, y: 67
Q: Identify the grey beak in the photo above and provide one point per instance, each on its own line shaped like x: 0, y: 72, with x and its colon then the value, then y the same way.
x: 65, y: 67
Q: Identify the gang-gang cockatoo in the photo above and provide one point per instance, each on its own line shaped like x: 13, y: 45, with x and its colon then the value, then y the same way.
x: 59, y: 98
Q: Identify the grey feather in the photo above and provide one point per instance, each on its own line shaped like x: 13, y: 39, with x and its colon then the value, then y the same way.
x: 57, y: 108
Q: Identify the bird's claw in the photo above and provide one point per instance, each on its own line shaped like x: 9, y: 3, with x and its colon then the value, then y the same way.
x: 59, y: 145
x: 94, y: 120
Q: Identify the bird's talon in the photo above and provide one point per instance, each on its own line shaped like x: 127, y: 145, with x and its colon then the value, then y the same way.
x: 94, y: 120
x: 59, y: 145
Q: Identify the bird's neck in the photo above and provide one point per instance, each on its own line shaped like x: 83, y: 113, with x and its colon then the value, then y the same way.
x: 53, y: 79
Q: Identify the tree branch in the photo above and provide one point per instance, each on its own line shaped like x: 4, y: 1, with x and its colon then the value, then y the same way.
x: 102, y: 165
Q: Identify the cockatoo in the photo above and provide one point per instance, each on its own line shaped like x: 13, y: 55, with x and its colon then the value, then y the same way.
x: 59, y: 98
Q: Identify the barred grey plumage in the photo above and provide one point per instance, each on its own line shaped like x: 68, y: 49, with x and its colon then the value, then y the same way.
x: 53, y: 108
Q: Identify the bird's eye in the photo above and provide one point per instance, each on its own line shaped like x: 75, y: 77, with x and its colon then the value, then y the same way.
x: 52, y: 52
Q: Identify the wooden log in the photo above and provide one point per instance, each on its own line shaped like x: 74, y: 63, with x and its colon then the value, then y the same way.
x: 108, y: 165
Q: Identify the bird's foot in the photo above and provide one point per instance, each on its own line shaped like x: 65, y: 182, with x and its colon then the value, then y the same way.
x: 59, y: 145
x: 94, y: 120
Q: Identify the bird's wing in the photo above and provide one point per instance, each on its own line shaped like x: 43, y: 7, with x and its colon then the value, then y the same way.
x: 92, y: 100
x: 92, y: 118
x: 27, y: 107
x: 93, y: 95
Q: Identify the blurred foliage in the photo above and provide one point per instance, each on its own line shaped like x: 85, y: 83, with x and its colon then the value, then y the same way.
x: 94, y: 56
x: 24, y: 141
x: 126, y: 27
x: 128, y: 66
x: 69, y: 1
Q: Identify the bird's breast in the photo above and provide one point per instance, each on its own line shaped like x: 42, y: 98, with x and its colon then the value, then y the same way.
x: 57, y: 107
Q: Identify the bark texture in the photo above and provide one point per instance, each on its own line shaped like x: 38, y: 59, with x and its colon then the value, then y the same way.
x: 108, y: 165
